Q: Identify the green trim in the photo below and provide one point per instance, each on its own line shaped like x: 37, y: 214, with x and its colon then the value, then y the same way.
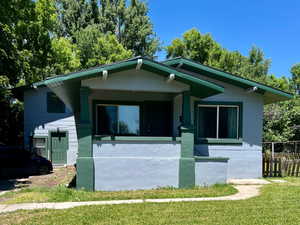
x: 187, y: 161
x: 186, y: 108
x: 84, y: 105
x: 270, y: 94
x: 50, y: 144
x: 220, y: 141
x: 141, y: 104
x: 186, y: 172
x: 136, y: 138
x: 215, y: 159
x: 199, y: 87
x: 85, y: 177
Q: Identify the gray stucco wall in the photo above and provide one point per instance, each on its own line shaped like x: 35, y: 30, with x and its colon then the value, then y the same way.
x: 40, y: 122
x: 208, y: 172
x: 132, y: 166
x: 245, y: 159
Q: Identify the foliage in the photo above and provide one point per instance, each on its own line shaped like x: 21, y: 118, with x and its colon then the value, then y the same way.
x: 65, y: 55
x: 98, y: 48
x: 295, y: 71
x: 282, y: 120
x: 130, y: 23
x: 204, y: 49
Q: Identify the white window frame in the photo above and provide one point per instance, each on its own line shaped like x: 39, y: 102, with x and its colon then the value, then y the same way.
x: 217, y: 124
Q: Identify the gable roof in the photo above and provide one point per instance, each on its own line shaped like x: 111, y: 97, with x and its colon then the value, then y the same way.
x: 270, y: 94
x: 199, y: 87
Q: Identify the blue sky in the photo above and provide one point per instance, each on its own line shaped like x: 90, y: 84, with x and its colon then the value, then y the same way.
x: 272, y: 25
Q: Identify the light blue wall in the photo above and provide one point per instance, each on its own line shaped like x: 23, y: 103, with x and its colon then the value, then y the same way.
x: 38, y: 121
x: 208, y: 172
x: 241, y: 164
x: 245, y: 159
x: 132, y: 166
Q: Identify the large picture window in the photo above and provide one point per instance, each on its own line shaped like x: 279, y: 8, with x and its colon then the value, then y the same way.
x: 147, y: 118
x: 219, y: 121
x: 118, y: 120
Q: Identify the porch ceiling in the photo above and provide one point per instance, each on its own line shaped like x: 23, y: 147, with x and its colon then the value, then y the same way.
x: 198, y: 87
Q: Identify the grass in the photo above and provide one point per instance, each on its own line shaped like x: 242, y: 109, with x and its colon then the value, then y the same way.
x: 278, y: 204
x: 64, y: 194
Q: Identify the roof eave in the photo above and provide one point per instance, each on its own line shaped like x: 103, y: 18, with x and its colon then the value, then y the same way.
x: 211, y: 88
x: 274, y: 95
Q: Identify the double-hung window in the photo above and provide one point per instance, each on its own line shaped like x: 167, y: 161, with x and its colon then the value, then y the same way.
x: 118, y: 120
x: 219, y: 121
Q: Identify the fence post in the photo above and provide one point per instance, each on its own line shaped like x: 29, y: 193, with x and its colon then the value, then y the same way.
x: 272, y: 150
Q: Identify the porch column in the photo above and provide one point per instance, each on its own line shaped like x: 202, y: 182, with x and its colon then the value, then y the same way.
x: 187, y: 161
x: 85, y: 161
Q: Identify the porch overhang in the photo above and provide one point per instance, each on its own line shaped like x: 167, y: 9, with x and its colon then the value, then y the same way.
x: 270, y: 94
x: 198, y: 87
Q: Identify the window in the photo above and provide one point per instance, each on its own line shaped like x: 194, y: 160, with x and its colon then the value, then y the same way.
x: 146, y: 118
x: 54, y: 104
x: 118, y: 120
x: 219, y: 121
x: 39, y: 145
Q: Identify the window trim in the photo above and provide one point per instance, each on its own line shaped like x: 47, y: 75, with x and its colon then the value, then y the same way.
x: 46, y: 143
x: 55, y: 109
x: 114, y: 104
x: 217, y: 140
x: 141, y: 104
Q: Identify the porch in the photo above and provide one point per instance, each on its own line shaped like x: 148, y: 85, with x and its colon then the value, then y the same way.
x: 134, y: 125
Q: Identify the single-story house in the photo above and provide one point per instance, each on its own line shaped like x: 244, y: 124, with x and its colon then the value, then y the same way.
x: 141, y: 124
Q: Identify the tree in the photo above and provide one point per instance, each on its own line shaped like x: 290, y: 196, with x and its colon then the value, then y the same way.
x: 97, y: 48
x: 138, y: 34
x: 295, y: 71
x: 73, y: 15
x: 65, y: 56
x: 131, y: 24
x: 204, y: 49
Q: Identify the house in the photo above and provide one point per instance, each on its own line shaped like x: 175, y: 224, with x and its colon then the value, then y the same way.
x: 140, y: 124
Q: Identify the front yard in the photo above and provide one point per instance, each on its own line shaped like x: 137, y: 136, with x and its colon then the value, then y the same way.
x: 278, y: 204
x: 49, y: 189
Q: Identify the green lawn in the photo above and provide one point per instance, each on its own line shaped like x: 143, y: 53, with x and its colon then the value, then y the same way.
x: 278, y: 204
x: 63, y: 194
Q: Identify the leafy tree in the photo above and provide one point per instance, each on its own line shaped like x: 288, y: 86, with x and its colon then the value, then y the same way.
x: 98, y: 48
x: 295, y: 71
x: 73, y: 15
x: 131, y: 24
x: 202, y: 48
x: 65, y: 56
x: 138, y: 34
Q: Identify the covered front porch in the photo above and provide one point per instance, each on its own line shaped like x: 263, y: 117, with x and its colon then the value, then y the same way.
x: 134, y: 125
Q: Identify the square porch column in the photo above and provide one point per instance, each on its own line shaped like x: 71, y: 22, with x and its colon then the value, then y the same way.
x: 187, y: 160
x: 85, y: 161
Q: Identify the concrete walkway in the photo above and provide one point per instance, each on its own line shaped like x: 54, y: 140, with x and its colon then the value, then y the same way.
x: 244, y: 192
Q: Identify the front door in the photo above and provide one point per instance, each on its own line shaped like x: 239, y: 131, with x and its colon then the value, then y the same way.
x: 59, y: 147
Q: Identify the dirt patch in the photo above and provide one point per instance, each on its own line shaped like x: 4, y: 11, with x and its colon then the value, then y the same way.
x: 59, y: 176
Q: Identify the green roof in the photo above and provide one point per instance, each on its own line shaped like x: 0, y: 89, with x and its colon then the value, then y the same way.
x: 199, y: 87
x: 270, y: 94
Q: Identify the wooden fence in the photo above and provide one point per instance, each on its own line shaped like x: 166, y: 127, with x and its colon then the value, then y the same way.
x: 281, y: 164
